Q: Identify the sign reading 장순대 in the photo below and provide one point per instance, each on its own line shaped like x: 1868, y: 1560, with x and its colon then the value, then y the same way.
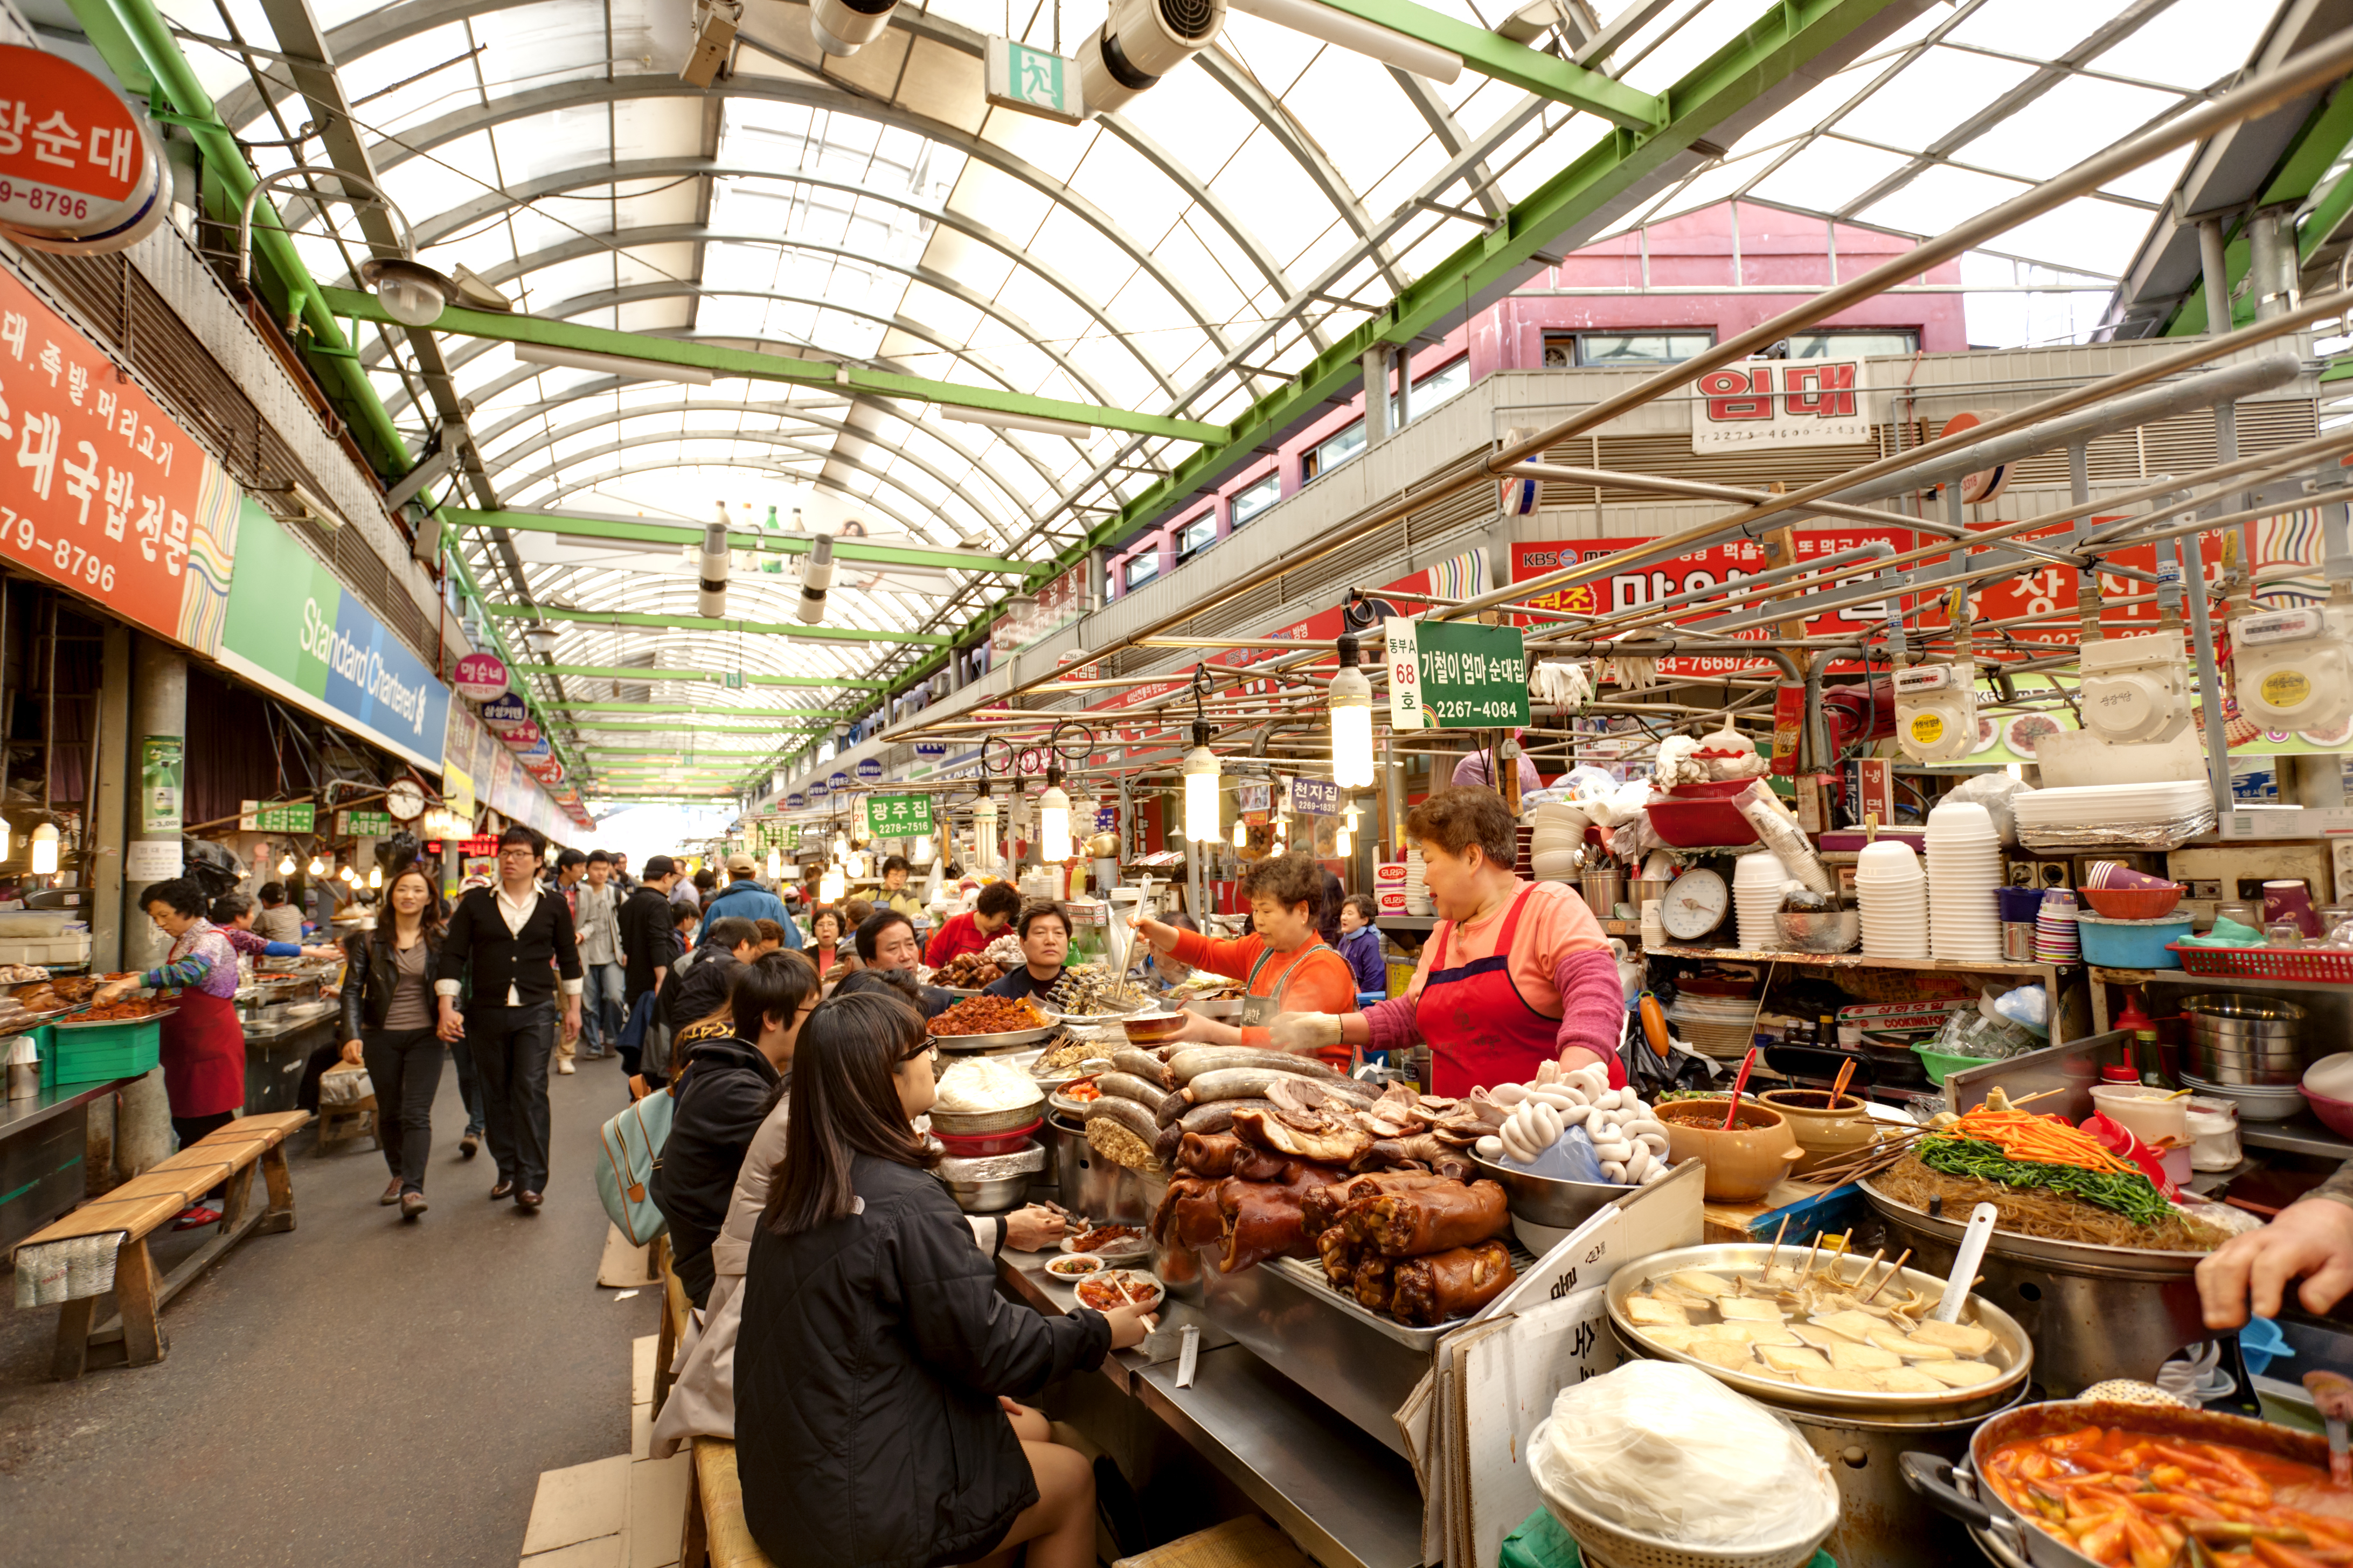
x: 1456, y: 675
x: 294, y: 630
x: 75, y: 163
x: 898, y: 815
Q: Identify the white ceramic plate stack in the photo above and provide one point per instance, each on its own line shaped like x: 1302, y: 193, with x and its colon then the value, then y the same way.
x: 1558, y: 833
x: 1756, y: 897
x: 1965, y: 867
x: 1417, y: 888
x: 1891, y: 888
x: 1722, y: 1026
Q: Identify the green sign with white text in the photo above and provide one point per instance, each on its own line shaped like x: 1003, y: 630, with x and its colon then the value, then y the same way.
x: 1033, y: 81
x: 898, y: 815
x: 1456, y: 675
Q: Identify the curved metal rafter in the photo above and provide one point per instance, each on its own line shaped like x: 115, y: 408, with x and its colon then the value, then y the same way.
x: 553, y: 473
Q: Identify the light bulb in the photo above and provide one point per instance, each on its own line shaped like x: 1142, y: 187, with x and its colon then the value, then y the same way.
x: 375, y: 876
x: 1242, y: 833
x: 1349, y: 815
x: 775, y: 864
x: 1343, y: 841
x: 317, y: 866
x: 4, y: 839
x: 923, y: 849
x: 1352, y: 721
x: 45, y: 850
x: 286, y: 866
x: 1201, y: 789
x: 840, y: 848
x: 348, y: 875
x: 1054, y: 823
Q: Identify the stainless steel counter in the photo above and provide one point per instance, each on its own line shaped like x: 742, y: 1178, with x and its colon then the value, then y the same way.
x: 1343, y: 1498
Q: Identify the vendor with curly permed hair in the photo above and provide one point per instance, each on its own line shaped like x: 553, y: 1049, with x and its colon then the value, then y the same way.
x: 1285, y: 963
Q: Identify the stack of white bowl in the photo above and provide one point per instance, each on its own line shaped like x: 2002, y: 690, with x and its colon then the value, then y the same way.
x: 1417, y: 888
x: 1757, y: 881
x: 1558, y: 833
x: 1892, y: 892
x: 1965, y: 867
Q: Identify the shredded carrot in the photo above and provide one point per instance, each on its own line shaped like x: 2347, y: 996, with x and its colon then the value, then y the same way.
x: 2038, y: 1139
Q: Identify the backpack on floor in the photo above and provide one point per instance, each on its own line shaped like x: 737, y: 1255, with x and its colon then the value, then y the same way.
x: 632, y: 1143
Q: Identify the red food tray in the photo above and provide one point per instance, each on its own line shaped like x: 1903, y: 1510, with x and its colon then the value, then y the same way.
x: 2325, y: 965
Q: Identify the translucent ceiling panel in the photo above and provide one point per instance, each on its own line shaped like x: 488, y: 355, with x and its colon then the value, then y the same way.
x: 1929, y: 98
x: 2066, y: 125
x: 1826, y: 174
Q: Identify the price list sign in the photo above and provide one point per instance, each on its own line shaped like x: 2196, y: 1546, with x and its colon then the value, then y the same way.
x: 898, y: 815
x: 1454, y: 675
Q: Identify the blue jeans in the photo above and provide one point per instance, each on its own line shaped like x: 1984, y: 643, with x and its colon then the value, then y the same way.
x: 602, y: 1010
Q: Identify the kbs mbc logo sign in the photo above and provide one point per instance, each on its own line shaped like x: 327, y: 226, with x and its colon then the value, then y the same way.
x: 1766, y: 404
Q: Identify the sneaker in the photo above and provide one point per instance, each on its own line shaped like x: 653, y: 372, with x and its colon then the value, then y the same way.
x: 391, y: 1192
x: 564, y: 1065
x: 411, y: 1204
x: 195, y: 1216
x: 469, y: 1144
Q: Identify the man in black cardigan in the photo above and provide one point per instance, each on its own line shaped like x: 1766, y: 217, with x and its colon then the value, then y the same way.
x: 504, y: 949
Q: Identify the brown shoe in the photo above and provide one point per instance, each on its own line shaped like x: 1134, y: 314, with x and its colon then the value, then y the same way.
x: 411, y: 1204
x: 391, y: 1192
x: 504, y: 1189
x: 528, y: 1202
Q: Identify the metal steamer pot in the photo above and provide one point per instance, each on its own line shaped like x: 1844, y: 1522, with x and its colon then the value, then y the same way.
x: 1862, y: 1438
x: 2094, y: 1312
x: 1962, y: 1494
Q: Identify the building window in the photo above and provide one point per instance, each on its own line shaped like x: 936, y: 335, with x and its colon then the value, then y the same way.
x: 1141, y: 568
x: 1436, y: 387
x: 1852, y: 346
x: 1110, y: 583
x: 1333, y: 451
x: 1197, y: 535
x: 1249, y: 503
x: 1605, y: 351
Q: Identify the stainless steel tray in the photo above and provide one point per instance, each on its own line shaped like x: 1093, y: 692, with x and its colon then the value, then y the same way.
x: 112, y: 1023
x: 1007, y: 1039
x: 2140, y: 1261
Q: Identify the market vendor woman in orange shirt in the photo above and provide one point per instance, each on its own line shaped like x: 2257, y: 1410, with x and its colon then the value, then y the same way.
x: 1285, y: 965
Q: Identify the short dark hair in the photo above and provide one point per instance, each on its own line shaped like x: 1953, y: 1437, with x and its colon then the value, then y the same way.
x: 854, y: 912
x: 518, y: 834
x: 705, y: 880
x: 822, y: 915
x: 569, y: 858
x: 228, y: 906
x: 597, y: 855
x: 180, y: 895
x: 1032, y: 913
x: 899, y: 983
x: 774, y: 985
x: 871, y: 930
x: 683, y: 914
x: 729, y: 931
x: 998, y: 899
x: 1363, y: 904
x: 769, y: 930
x: 1291, y: 879
x: 657, y: 867
x: 273, y: 892
x: 896, y: 863
x: 1456, y: 818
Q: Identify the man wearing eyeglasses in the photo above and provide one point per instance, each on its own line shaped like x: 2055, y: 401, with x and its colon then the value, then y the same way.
x: 507, y: 950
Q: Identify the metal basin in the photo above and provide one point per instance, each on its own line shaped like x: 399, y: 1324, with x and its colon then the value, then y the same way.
x: 967, y: 1123
x: 1541, y: 1200
x: 2259, y: 1032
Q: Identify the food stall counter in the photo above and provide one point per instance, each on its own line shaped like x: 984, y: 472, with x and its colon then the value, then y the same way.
x: 42, y: 1140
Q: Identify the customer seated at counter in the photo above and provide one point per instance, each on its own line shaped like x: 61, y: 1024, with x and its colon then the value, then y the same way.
x: 278, y: 921
x: 861, y: 1246
x: 1045, y: 933
x: 886, y: 940
x: 1284, y: 963
x: 232, y: 914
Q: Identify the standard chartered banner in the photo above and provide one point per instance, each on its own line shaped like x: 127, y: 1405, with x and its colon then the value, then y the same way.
x: 294, y: 630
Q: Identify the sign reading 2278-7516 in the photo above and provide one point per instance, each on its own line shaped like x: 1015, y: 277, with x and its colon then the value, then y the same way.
x: 1456, y: 675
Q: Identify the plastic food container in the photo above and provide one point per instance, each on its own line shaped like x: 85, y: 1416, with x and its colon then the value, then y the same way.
x: 2152, y: 1115
x: 2214, y: 1134
x: 2130, y: 944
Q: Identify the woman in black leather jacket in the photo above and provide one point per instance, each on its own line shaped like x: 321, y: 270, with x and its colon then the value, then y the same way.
x: 388, y: 1023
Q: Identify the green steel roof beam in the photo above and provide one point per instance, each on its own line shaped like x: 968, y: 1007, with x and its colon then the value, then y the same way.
x: 1493, y: 55
x: 763, y: 543
x: 2324, y: 136
x: 712, y: 623
x: 720, y: 677
x: 726, y: 361
x: 583, y: 706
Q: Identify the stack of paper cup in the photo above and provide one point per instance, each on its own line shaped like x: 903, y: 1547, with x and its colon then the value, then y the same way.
x: 1416, y: 890
x: 1892, y: 892
x: 1963, y: 869
x: 1756, y: 897
x: 2057, y: 938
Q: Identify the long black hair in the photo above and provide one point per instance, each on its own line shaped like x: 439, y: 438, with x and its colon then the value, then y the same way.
x: 844, y: 1104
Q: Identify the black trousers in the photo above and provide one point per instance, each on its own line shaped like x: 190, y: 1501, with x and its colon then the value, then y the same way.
x: 189, y: 1129
x: 512, y: 1047
x: 405, y: 1066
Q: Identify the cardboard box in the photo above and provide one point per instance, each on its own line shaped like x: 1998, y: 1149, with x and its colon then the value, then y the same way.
x: 1389, y: 874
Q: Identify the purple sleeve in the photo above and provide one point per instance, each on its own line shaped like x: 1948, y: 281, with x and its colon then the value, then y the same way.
x: 1392, y: 1024
x: 245, y: 940
x: 1592, y: 1003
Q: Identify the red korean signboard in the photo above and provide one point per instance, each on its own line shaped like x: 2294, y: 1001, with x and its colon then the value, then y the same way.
x: 73, y: 159
x: 99, y: 490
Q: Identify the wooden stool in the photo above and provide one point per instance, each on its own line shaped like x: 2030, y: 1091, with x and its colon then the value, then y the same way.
x: 350, y: 1120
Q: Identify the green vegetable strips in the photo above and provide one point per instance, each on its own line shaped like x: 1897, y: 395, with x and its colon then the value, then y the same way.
x: 2130, y: 1194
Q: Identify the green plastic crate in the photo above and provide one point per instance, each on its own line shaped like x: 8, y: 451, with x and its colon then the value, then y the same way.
x: 100, y: 1052
x: 1541, y: 1543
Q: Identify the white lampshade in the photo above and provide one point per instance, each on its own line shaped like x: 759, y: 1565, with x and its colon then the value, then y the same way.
x: 831, y: 886
x: 1242, y: 833
x: 4, y: 839
x: 775, y: 863
x: 45, y: 850
x: 1201, y: 795
x: 349, y: 875
x: 375, y: 876
x: 1054, y: 823
x: 1342, y: 842
x: 840, y: 847
x: 317, y: 866
x: 1352, y: 728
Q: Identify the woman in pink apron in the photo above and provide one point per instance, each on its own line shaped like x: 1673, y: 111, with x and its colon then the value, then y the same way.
x: 1516, y: 974
x: 204, y: 1045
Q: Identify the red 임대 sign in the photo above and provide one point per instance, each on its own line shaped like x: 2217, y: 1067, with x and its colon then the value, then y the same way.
x: 99, y: 490
x: 1766, y: 404
x: 73, y: 159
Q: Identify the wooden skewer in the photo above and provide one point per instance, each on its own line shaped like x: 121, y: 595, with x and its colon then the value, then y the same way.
x: 1767, y: 1278
x: 1892, y: 1269
x: 1808, y: 1272
x: 1865, y: 1272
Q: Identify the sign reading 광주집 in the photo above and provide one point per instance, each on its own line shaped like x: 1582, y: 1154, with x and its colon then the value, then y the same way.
x: 294, y: 630
x: 898, y: 815
x: 1456, y: 675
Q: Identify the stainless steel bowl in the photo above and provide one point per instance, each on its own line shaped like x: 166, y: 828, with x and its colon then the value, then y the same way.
x: 967, y: 1123
x: 2257, y: 1032
x: 991, y: 1184
x: 1004, y: 1040
x: 1541, y: 1200
x: 2245, y: 1072
x: 992, y: 1196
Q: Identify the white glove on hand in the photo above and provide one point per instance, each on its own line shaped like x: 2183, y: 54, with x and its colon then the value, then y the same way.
x: 1303, y: 1031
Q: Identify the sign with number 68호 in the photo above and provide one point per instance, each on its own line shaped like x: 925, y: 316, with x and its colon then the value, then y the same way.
x: 1456, y: 675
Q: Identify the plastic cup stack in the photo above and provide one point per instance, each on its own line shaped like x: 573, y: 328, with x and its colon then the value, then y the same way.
x: 1416, y: 890
x: 2056, y: 938
x: 1891, y: 890
x: 1757, y: 881
x: 1965, y: 867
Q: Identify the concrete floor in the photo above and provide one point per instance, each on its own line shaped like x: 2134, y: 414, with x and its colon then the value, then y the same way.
x: 356, y: 1391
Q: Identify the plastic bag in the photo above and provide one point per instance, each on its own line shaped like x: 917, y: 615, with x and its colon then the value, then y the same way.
x: 1995, y: 792
x: 1664, y: 1451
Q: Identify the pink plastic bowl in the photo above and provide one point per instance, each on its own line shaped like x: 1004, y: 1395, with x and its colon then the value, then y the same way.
x: 2337, y: 1115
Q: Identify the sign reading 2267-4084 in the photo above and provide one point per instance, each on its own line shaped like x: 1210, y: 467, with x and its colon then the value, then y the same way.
x: 1455, y: 674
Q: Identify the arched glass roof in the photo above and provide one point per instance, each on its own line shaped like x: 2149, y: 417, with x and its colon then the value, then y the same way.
x: 1180, y: 257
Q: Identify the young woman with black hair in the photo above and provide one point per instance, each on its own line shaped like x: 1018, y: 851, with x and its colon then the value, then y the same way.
x: 389, y: 1024
x: 864, y: 1294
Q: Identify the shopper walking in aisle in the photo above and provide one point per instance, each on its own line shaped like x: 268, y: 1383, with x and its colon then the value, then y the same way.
x: 571, y: 871
x: 976, y: 928
x: 745, y: 900
x: 388, y: 1024
x: 1360, y: 944
x: 204, y: 1045
x: 695, y: 989
x: 1284, y: 963
x: 1045, y: 944
x: 886, y: 940
x: 861, y: 1246
x: 724, y: 1089
x: 824, y: 939
x: 695, y: 891
x: 504, y: 952
x: 649, y: 945
x: 596, y: 918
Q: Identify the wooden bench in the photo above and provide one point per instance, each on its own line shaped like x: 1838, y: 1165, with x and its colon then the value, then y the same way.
x: 146, y: 1203
x: 674, y: 1316
x: 716, y: 1536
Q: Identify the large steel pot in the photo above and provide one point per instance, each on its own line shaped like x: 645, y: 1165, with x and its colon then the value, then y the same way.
x: 2094, y: 1312
x: 1883, y: 1523
x: 1980, y: 1507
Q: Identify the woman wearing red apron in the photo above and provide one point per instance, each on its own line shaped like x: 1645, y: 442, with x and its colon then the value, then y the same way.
x: 1516, y: 974
x: 204, y: 1045
x: 1283, y: 964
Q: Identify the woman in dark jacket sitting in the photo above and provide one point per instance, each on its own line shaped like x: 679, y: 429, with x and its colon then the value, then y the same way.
x: 723, y: 1096
x: 388, y: 1023
x: 874, y: 1347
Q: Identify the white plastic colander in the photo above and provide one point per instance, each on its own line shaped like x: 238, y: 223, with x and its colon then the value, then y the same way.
x: 1608, y: 1545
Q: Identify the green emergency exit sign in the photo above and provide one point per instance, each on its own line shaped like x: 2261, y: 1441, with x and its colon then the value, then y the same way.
x: 1034, y: 81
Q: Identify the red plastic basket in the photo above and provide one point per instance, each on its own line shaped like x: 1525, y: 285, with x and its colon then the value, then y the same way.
x: 2314, y: 963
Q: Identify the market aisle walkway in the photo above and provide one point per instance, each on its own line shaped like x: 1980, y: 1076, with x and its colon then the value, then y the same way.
x: 356, y: 1391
